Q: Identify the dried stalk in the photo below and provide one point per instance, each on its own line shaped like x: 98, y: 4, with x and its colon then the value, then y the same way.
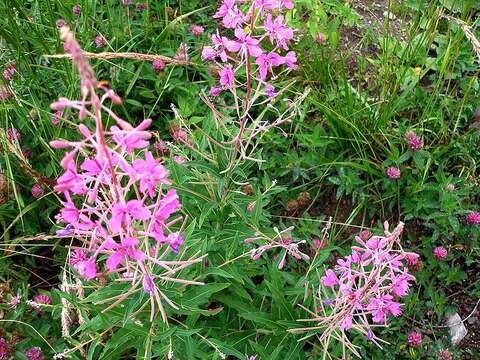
x: 124, y: 55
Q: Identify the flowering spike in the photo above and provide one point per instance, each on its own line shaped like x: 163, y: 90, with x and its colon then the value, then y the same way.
x: 125, y: 207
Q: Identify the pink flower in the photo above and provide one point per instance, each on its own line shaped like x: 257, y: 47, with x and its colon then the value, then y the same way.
x: 5, y: 349
x: 150, y: 173
x: 123, y: 213
x: 291, y: 60
x: 56, y: 118
x: 100, y: 41
x: 250, y: 206
x: 141, y: 6
x: 473, y: 218
x: 220, y: 43
x: 215, y: 91
x: 365, y: 235
x: 77, y: 256
x: 60, y: 23
x: 158, y: 65
x: 196, y: 30
x: 288, y: 4
x: 26, y: 152
x: 37, y: 191
x: 127, y: 249
x: 411, y: 258
x: 270, y: 91
x: 400, y: 284
x: 277, y: 31
x: 13, y: 303
x: 174, y: 240
x: 148, y: 284
x: 86, y: 268
x: 71, y: 181
x: 329, y: 279
x: 34, y: 353
x: 126, y: 2
x: 393, y: 172
x: 161, y: 147
x: 9, y: 71
x: 232, y: 17
x: 179, y: 159
x: 132, y: 138
x: 244, y: 44
x: 347, y: 322
x: 381, y: 307
x: 414, y: 141
x: 43, y: 299
x: 266, y: 61
x: 227, y: 76
x: 321, y: 38
x: 76, y: 10
x: 445, y: 354
x: 440, y: 252
x: 208, y: 53
x: 414, y: 339
x: 13, y: 135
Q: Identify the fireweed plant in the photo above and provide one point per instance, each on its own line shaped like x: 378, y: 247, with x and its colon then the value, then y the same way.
x: 247, y: 56
x: 125, y: 218
x: 362, y: 291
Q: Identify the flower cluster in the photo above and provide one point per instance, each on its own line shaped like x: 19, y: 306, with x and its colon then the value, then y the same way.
x: 125, y: 200
x: 440, y: 252
x: 414, y: 339
x: 473, y: 218
x: 261, y: 37
x: 363, y: 289
x: 5, y: 349
x: 34, y: 353
x: 414, y: 141
x: 393, y: 172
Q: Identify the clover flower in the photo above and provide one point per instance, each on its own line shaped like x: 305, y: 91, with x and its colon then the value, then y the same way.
x: 393, y: 172
x: 320, y: 38
x: 60, y: 23
x: 34, y: 353
x: 5, y: 349
x: 141, y: 6
x: 414, y: 339
x: 125, y: 208
x: 76, y: 10
x: 13, y: 134
x: 43, y: 299
x: 100, y: 41
x: 363, y: 290
x: 414, y: 141
x: 440, y: 252
x: 158, y: 65
x: 9, y: 71
x: 445, y: 354
x: 196, y: 30
x: 473, y: 218
x: 37, y: 191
